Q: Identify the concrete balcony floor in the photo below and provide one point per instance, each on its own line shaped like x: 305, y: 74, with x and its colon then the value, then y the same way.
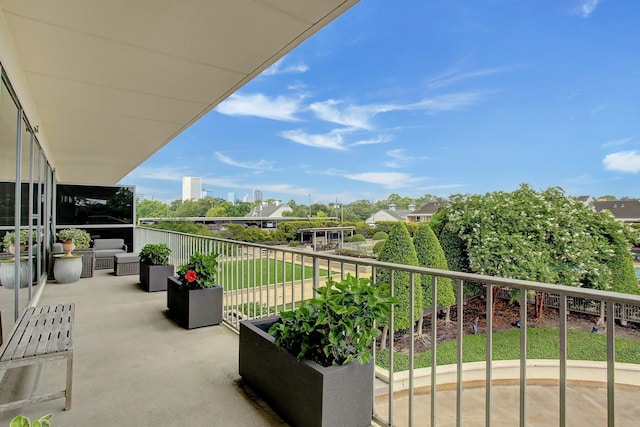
x: 133, y: 366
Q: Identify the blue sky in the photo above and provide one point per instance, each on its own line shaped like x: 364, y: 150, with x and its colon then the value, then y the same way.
x: 437, y: 97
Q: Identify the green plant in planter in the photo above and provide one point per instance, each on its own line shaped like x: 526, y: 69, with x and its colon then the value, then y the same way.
x: 10, y: 238
x: 155, y: 254
x: 200, y: 272
x: 337, y: 326
x: 80, y: 238
x: 22, y: 421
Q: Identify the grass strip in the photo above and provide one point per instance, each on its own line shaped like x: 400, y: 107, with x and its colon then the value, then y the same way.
x: 542, y: 343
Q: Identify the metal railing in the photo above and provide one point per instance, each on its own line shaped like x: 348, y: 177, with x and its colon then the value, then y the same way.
x: 261, y: 280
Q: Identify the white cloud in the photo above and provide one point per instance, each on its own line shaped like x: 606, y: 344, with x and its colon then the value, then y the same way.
x: 360, y: 116
x: 164, y: 174
x: 399, y: 158
x: 586, y: 8
x: 616, y: 142
x: 332, y: 140
x: 381, y: 139
x: 260, y: 165
x: 390, y: 180
x: 331, y: 111
x: 280, y: 68
x: 259, y: 105
x: 451, y: 77
x: 623, y: 161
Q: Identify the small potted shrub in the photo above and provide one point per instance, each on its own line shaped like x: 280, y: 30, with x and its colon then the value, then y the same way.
x: 193, y: 297
x: 317, y: 357
x: 73, y: 238
x: 9, y: 240
x: 155, y: 267
x: 78, y: 241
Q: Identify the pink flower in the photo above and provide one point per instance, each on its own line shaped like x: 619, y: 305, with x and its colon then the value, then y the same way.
x: 190, y: 276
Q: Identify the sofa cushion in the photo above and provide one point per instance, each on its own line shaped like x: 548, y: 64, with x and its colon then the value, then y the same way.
x: 107, y: 253
x: 100, y: 244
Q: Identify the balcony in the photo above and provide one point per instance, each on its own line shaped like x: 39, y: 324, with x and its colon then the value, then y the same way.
x: 134, y: 366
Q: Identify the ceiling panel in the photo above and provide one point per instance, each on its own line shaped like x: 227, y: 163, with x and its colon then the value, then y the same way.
x: 112, y: 82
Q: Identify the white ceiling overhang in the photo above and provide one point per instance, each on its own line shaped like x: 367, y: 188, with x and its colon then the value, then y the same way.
x: 109, y: 83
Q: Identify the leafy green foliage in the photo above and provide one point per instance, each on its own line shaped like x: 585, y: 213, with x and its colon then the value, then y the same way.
x: 355, y: 238
x: 431, y: 255
x: 539, y: 236
x: 380, y: 235
x: 183, y: 227
x: 205, y: 268
x: 81, y: 239
x: 399, y: 249
x: 152, y: 209
x: 337, y: 326
x: 23, y: 421
x: 377, y: 248
x: 155, y: 254
x: 10, y: 238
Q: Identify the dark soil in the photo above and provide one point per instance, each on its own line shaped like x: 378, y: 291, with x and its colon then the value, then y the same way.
x: 505, y: 317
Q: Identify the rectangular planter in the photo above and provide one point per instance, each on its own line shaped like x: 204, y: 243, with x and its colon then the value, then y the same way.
x: 304, y: 393
x: 154, y: 277
x: 194, y: 308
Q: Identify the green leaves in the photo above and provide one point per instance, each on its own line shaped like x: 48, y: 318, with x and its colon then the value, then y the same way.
x: 337, y: 326
x: 539, y: 236
x: 155, y: 254
x: 22, y: 421
x: 206, y: 268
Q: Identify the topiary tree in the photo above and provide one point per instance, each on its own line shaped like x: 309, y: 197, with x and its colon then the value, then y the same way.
x: 431, y: 255
x: 377, y: 248
x: 380, y: 235
x: 399, y: 249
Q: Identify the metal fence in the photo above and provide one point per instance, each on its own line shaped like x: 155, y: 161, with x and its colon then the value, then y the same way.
x: 576, y: 304
x: 260, y: 280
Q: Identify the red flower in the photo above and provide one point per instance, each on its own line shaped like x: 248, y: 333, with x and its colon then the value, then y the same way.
x: 190, y: 276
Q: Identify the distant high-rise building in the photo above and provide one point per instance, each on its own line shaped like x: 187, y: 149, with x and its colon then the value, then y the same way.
x: 231, y: 197
x: 257, y: 195
x: 191, y: 188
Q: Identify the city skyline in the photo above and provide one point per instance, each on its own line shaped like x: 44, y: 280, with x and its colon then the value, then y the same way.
x: 428, y: 98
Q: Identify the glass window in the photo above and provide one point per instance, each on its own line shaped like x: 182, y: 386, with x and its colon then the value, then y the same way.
x: 78, y: 205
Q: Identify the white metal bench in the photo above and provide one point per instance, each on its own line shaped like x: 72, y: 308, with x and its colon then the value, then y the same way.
x: 40, y: 334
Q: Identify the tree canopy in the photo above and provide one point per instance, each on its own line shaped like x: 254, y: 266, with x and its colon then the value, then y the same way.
x: 541, y: 236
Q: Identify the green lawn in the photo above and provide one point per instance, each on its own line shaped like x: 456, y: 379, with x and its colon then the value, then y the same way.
x: 542, y: 343
x: 267, y: 272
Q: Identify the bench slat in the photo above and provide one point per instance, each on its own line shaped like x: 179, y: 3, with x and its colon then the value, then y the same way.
x: 16, y: 335
x: 60, y: 339
x: 41, y: 334
x: 41, y: 330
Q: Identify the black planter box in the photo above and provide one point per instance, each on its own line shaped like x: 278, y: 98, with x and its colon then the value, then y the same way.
x: 154, y: 277
x: 194, y: 308
x: 304, y: 393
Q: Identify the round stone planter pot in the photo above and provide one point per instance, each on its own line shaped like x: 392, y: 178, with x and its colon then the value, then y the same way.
x: 8, y: 274
x: 67, y: 268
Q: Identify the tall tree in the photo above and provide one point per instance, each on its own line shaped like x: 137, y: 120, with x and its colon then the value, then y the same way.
x: 399, y: 249
x: 151, y: 209
x: 431, y: 255
x: 538, y: 236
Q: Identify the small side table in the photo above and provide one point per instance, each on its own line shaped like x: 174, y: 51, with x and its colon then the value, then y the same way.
x: 67, y: 268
